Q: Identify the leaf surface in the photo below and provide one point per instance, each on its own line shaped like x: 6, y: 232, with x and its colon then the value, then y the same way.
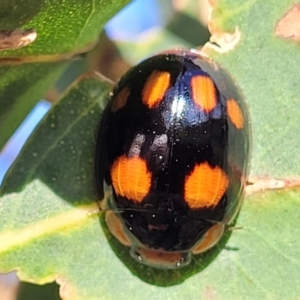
x: 48, y: 221
x: 64, y: 30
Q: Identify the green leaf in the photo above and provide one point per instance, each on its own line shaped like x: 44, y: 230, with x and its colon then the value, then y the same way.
x: 67, y: 146
x: 70, y: 245
x: 21, y: 86
x: 266, y: 68
x: 51, y: 231
x: 65, y: 29
x: 62, y: 26
x: 49, y: 228
x: 28, y: 291
x: 50, y: 189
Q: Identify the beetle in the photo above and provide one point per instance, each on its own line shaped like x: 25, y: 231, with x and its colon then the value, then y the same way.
x: 174, y: 147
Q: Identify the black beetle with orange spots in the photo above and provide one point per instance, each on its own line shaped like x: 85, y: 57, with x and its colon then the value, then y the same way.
x: 174, y: 146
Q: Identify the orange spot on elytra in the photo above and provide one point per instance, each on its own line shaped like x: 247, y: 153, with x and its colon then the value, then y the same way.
x: 155, y: 88
x: 120, y: 99
x: 130, y: 178
x: 235, y: 114
x: 204, y: 92
x: 205, y: 186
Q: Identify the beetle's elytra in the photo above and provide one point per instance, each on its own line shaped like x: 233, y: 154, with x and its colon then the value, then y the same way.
x: 174, y: 146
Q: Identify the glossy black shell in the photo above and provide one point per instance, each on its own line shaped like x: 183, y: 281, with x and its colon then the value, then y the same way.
x: 189, y: 137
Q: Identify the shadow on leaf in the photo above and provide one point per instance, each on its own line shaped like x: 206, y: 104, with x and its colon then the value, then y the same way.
x: 164, y: 278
